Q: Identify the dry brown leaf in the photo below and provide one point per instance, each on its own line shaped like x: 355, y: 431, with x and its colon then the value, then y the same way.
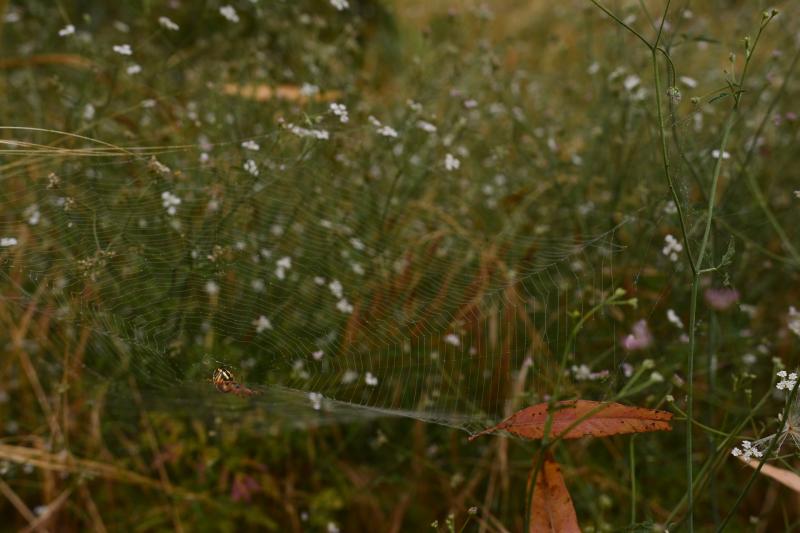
x: 781, y: 475
x: 263, y: 92
x: 552, y: 510
x: 609, y: 419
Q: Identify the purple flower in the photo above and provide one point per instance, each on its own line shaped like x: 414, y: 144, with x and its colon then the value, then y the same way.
x: 639, y: 338
x: 721, y: 299
x: 243, y: 488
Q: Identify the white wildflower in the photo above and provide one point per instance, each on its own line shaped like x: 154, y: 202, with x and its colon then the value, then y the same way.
x: 584, y: 373
x: 426, y: 126
x: 674, y: 319
x: 671, y: 248
x: 305, y: 132
x: 689, y: 82
x: 281, y: 266
x: 67, y: 30
x: 451, y: 163
x: 631, y: 82
x: 344, y: 306
x: 716, y: 153
x: 123, y: 49
x: 229, y: 13
x: 5, y: 242
x: 170, y: 202
x: 386, y: 131
x: 251, y: 145
x: 317, y: 355
x: 340, y: 111
x: 168, y: 24
x: 452, y: 338
x: 747, y: 451
x: 370, y: 379
x: 133, y: 69
x: 262, y: 324
x: 251, y: 167
x: 316, y: 400
x: 787, y: 382
x: 340, y: 5
x: 336, y: 288
x: 212, y: 288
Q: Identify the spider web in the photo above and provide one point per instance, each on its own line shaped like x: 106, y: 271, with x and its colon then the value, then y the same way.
x: 342, y: 278
x: 320, y: 295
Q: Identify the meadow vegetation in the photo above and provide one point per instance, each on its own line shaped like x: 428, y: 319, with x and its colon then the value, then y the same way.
x: 267, y: 265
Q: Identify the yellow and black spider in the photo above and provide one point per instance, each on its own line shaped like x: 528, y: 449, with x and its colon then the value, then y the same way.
x: 224, y: 381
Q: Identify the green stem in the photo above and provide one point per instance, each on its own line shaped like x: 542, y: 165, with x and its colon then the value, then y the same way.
x: 632, y: 459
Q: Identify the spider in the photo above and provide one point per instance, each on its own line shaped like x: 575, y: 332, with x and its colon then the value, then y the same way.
x: 224, y: 381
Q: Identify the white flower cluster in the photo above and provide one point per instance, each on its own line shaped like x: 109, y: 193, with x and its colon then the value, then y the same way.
x: 251, y: 167
x: 316, y: 400
x: 337, y: 290
x: 305, y: 132
x: 344, y: 306
x: 340, y: 5
x: 251, y: 145
x: 787, y: 382
x: 123, y: 49
x: 168, y: 24
x: 451, y: 162
x: 382, y: 129
x: 747, y: 451
x: 5, y: 242
x: 370, y: 379
x: 724, y: 154
x: 340, y: 111
x: 283, y: 264
x: 170, y: 202
x: 229, y: 13
x: 671, y: 248
x: 452, y: 339
x: 262, y: 324
x: 584, y: 373
x: 674, y: 319
x: 69, y: 29
x: 426, y: 126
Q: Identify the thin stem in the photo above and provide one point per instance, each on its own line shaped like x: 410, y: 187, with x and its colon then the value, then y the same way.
x: 632, y: 459
x: 666, y: 164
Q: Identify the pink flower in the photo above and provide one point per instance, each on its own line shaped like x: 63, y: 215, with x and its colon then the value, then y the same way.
x: 243, y: 488
x: 639, y: 338
x: 721, y: 299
